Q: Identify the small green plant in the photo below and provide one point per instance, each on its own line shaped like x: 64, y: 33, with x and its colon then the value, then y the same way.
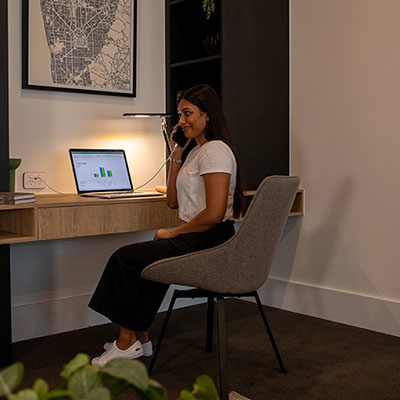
x: 89, y: 382
x: 208, y: 7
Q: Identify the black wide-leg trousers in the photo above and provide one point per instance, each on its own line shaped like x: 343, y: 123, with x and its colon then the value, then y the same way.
x: 132, y: 302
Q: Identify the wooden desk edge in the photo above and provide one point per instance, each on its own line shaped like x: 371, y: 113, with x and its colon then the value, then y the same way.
x: 17, y: 214
x: 57, y: 200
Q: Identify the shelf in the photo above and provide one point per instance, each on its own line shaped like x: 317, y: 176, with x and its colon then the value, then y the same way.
x: 195, y: 61
x: 192, y: 34
x: 172, y: 2
x: 11, y: 237
x: 298, y: 207
x: 17, y: 223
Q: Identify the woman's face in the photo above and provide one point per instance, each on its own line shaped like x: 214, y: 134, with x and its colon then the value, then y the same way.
x: 192, y: 120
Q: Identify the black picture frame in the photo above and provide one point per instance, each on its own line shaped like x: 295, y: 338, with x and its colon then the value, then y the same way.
x: 90, y: 69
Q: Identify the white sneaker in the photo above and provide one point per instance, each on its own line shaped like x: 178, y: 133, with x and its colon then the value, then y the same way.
x: 147, y: 348
x: 135, y: 351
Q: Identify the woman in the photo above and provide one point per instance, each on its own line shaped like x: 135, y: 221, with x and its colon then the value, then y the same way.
x: 208, y: 192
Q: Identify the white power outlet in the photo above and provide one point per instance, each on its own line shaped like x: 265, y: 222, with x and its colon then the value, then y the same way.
x: 33, y: 180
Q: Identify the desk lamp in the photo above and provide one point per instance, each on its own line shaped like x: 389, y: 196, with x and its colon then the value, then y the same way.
x: 163, y: 124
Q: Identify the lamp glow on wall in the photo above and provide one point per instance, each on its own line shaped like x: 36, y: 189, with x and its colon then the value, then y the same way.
x: 163, y: 117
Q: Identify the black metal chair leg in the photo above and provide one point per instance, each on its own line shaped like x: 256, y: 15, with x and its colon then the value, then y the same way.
x: 271, y: 338
x: 223, y: 372
x: 163, y: 329
x: 210, y: 324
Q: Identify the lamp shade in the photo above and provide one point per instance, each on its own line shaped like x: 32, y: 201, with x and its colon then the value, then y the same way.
x: 146, y: 115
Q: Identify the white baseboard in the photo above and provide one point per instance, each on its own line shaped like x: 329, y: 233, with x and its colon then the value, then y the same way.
x: 49, y: 317
x: 66, y: 314
x: 363, y: 311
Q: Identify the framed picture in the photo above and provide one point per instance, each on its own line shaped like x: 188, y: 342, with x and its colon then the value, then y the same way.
x: 80, y: 46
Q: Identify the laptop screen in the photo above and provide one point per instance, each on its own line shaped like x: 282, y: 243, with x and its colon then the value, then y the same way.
x: 100, y: 170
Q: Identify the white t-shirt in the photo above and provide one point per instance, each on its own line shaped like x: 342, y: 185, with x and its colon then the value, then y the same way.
x: 212, y: 156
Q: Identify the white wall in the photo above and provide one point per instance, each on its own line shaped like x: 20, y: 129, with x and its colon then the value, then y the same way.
x: 341, y: 261
x: 52, y: 281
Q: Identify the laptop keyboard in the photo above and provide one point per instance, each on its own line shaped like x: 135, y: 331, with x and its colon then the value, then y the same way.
x: 116, y: 193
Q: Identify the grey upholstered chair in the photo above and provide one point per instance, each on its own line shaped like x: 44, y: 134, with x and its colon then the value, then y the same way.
x: 236, y: 268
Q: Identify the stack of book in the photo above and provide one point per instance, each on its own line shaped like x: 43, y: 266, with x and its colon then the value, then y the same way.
x: 16, y: 198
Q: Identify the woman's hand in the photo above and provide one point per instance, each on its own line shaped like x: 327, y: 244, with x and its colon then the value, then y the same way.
x: 164, y: 234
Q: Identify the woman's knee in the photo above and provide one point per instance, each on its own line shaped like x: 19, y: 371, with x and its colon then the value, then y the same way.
x: 129, y: 257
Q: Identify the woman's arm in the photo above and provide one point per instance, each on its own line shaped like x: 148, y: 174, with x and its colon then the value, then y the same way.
x: 172, y: 196
x: 217, y: 190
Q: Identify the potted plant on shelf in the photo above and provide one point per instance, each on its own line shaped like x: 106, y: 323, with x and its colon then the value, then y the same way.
x: 208, y: 7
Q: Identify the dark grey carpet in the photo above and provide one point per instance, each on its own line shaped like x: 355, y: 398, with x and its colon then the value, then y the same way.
x: 325, y: 360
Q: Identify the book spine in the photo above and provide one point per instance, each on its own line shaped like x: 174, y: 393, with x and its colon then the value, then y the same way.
x: 5, y: 202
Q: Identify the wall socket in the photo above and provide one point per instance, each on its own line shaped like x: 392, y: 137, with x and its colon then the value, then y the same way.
x: 33, y: 180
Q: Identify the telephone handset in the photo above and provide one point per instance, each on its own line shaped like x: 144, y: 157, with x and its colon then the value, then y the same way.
x: 179, y: 137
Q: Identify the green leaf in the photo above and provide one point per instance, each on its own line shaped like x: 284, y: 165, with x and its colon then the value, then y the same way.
x: 26, y: 394
x: 79, y: 361
x: 186, y: 395
x: 10, y: 378
x: 159, y: 389
x: 59, y: 394
x: 116, y: 387
x: 100, y: 393
x: 83, y: 381
x: 41, y: 388
x: 133, y: 372
x: 154, y: 392
x: 204, y: 388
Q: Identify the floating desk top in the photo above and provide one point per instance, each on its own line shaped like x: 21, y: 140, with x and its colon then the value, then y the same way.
x: 59, y: 217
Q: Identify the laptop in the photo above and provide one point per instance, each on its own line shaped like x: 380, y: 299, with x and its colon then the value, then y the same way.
x: 103, y: 173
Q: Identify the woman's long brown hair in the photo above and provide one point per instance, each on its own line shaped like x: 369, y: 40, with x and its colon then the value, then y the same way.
x: 206, y: 99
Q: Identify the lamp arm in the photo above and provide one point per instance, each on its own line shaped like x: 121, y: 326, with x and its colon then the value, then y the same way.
x: 165, y: 134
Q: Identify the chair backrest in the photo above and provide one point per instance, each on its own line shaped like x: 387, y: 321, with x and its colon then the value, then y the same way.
x: 254, y: 245
x: 242, y: 264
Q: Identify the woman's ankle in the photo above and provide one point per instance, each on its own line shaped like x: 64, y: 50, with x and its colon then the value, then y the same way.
x: 123, y: 344
x: 143, y: 336
x: 126, y: 338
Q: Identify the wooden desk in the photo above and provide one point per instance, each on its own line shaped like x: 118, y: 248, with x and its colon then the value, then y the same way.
x: 60, y: 217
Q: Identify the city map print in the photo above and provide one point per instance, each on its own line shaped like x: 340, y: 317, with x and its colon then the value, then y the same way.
x: 90, y: 43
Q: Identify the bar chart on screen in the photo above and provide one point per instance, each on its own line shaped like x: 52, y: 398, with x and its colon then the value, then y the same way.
x: 103, y: 173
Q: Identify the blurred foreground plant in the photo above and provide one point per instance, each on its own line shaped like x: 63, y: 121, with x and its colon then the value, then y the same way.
x: 89, y: 382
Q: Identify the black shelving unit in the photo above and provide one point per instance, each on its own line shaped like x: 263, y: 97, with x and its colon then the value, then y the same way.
x: 242, y: 51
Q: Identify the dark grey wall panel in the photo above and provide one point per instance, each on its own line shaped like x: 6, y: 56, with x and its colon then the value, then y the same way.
x: 255, y: 88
